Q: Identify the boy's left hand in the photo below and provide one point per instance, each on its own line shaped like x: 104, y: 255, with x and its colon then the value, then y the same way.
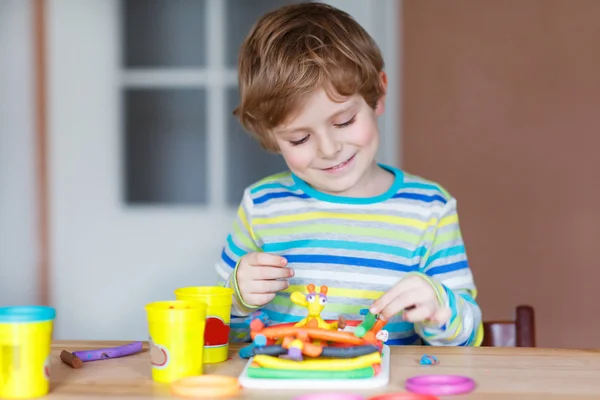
x: 416, y: 298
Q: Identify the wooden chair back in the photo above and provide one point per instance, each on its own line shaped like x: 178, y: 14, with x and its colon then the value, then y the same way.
x: 517, y: 333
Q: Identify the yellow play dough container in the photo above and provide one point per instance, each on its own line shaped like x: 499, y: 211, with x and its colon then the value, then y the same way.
x: 218, y: 316
x: 25, y: 346
x: 176, y: 337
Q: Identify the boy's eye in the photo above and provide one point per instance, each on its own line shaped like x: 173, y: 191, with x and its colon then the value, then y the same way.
x: 297, y: 142
x: 349, y: 122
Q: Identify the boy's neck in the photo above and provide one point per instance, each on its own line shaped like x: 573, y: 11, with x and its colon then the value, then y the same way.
x: 374, y: 182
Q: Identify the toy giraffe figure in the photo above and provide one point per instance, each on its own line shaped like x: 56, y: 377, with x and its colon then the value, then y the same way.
x: 315, y: 303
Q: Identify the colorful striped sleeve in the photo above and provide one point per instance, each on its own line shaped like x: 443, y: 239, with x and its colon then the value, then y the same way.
x: 446, y: 268
x: 240, y: 241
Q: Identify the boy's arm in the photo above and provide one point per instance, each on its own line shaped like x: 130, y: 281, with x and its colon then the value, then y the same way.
x: 446, y: 268
x: 240, y: 241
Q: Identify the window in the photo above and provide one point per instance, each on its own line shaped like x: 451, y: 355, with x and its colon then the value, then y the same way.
x: 182, y: 145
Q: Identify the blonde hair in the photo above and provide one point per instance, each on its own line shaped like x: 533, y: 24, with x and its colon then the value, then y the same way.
x: 292, y: 51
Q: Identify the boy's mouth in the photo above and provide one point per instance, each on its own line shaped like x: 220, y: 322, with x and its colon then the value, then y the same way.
x: 340, y: 165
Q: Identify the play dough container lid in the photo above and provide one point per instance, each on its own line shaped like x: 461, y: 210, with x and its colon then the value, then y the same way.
x: 175, y: 311
x: 25, y: 314
x: 212, y: 295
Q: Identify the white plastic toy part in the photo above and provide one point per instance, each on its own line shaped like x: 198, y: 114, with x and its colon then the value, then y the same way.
x: 382, y: 335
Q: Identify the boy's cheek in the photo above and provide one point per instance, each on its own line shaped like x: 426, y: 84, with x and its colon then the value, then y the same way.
x: 296, y: 158
x: 366, y: 135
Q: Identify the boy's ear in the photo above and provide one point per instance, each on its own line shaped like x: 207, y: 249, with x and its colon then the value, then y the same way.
x: 380, y: 107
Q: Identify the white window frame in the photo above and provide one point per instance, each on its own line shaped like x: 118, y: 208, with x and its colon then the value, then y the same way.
x: 216, y: 78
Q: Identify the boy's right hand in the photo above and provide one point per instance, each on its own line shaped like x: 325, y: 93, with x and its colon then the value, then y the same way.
x: 260, y: 276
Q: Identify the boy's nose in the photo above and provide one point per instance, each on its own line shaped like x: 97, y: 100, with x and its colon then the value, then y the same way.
x: 329, y: 147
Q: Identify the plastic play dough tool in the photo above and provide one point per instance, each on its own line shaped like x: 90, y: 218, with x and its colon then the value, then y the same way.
x: 440, y: 385
x: 206, y: 386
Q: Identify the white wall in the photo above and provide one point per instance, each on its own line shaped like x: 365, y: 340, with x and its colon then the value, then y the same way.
x: 17, y: 169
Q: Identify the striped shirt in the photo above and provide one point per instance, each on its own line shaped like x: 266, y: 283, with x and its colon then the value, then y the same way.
x: 359, y: 248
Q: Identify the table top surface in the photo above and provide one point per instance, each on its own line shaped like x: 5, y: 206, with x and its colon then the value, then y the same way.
x: 523, y: 373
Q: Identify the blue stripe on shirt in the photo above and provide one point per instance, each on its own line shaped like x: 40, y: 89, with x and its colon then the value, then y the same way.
x: 270, y: 185
x: 443, y: 269
x: 356, y: 261
x: 278, y: 195
x: 235, y: 249
x: 343, y: 244
x: 448, y: 252
x: 227, y: 259
x: 421, y: 197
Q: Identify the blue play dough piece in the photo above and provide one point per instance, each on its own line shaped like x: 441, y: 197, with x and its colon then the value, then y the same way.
x: 246, y: 351
x: 260, y: 340
x: 428, y: 360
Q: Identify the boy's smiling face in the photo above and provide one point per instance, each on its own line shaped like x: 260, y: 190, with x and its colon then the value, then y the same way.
x: 332, y: 144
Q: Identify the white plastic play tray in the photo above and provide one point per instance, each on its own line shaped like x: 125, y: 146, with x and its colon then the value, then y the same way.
x: 382, y: 379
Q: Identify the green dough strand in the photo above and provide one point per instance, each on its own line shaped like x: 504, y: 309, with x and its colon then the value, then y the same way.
x: 271, y: 373
x: 367, y: 324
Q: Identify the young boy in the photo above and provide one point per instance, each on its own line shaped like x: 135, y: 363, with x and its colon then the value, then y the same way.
x: 312, y: 86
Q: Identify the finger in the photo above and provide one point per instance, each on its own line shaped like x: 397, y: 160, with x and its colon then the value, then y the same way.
x: 401, y: 287
x: 418, y: 314
x: 261, y: 287
x: 266, y: 259
x: 442, y: 315
x: 259, y: 299
x: 266, y: 273
x: 403, y: 301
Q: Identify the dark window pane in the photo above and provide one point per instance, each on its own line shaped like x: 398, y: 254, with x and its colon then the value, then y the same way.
x: 165, y: 146
x: 240, y: 16
x: 164, y: 33
x: 248, y: 162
